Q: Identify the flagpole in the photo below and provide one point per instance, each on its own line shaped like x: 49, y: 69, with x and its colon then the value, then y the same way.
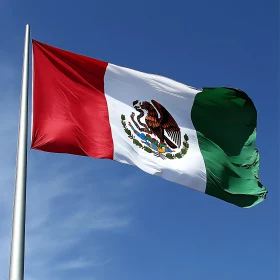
x: 18, y: 231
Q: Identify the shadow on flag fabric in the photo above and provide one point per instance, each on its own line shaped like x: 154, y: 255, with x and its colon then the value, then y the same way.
x: 203, y: 139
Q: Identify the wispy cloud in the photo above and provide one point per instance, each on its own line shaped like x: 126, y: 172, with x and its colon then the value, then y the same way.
x: 80, y: 264
x: 8, y: 129
x: 65, y: 205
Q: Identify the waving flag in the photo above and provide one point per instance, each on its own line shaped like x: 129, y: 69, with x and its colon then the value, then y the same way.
x: 203, y: 139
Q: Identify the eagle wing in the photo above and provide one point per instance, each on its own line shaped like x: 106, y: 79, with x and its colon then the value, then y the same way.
x: 168, y: 123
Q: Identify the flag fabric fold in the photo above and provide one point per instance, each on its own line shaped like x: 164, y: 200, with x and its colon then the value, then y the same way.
x: 203, y: 139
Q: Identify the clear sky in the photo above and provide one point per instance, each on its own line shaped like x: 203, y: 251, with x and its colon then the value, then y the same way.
x: 91, y: 219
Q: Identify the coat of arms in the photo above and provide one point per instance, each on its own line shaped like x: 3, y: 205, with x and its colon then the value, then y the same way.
x: 155, y: 130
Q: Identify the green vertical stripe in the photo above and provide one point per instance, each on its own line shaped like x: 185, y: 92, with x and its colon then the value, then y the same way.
x: 225, y: 120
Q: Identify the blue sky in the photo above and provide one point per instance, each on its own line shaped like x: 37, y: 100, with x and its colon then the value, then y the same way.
x: 94, y: 219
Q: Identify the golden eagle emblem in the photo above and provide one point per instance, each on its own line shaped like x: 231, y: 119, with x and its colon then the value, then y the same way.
x: 155, y: 127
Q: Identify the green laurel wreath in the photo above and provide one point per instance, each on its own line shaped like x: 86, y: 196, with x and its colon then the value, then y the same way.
x: 180, y: 154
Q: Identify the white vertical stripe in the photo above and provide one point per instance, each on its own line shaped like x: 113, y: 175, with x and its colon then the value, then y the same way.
x: 122, y: 87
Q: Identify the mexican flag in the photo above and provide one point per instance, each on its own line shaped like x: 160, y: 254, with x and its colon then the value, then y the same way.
x: 203, y: 139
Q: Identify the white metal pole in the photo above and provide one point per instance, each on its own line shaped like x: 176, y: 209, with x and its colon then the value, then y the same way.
x: 18, y: 232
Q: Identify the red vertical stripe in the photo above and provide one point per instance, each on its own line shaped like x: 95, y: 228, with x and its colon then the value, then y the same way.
x: 70, y: 113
